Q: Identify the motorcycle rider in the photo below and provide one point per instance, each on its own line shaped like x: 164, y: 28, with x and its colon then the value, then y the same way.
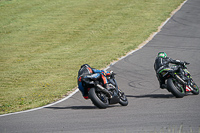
x: 85, y: 71
x: 162, y: 62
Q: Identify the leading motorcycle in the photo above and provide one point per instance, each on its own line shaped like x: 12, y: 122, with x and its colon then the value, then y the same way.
x: 179, y: 80
x: 100, y: 96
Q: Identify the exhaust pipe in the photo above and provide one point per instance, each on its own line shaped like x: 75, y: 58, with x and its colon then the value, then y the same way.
x: 180, y: 79
x: 104, y: 90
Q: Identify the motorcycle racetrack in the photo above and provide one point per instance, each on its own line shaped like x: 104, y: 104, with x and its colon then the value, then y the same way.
x: 150, y: 108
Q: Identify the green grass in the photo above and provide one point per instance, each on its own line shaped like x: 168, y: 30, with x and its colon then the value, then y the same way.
x: 43, y: 43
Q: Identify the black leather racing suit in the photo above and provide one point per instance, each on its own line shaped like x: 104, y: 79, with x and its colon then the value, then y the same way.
x: 162, y: 63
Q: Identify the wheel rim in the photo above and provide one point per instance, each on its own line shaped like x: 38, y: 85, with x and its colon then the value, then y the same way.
x: 102, y: 97
x: 178, y: 86
x: 122, y: 96
x: 195, y: 87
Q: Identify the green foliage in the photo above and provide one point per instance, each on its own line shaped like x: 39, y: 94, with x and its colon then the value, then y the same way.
x: 43, y: 43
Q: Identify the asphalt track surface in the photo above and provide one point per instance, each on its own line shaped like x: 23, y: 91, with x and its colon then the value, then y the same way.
x: 150, y: 108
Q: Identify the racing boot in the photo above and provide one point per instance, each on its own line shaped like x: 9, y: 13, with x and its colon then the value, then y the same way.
x: 108, y: 87
x: 163, y: 86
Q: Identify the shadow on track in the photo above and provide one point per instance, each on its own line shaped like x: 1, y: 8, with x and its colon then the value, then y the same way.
x: 78, y: 107
x: 74, y: 107
x: 153, y: 96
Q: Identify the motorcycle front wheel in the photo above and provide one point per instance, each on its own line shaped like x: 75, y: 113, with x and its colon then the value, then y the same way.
x: 195, y: 90
x: 123, y: 99
x: 175, y: 88
x: 98, y: 98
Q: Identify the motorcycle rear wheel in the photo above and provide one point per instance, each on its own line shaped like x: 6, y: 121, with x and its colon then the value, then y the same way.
x: 175, y: 88
x: 98, y: 98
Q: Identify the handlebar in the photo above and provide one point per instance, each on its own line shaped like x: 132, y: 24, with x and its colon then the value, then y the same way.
x: 186, y: 63
x: 112, y: 74
x: 179, y: 65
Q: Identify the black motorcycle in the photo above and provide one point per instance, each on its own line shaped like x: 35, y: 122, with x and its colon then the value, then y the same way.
x: 179, y: 80
x: 100, y: 96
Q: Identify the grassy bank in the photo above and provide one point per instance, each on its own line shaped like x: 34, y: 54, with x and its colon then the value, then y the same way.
x: 43, y: 43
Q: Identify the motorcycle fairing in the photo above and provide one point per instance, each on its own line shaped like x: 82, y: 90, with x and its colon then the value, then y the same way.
x: 188, y: 89
x: 164, y: 72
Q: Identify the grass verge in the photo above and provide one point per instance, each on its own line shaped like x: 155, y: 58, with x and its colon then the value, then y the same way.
x: 43, y: 43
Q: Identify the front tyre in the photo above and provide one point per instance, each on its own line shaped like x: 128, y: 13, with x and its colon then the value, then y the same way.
x: 195, y: 88
x: 175, y: 88
x: 123, y: 99
x: 98, y: 98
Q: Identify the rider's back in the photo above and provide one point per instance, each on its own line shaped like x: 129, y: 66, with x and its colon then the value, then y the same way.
x: 159, y: 62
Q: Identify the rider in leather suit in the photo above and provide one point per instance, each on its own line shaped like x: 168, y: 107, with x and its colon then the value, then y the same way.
x: 162, y: 62
x: 86, y: 70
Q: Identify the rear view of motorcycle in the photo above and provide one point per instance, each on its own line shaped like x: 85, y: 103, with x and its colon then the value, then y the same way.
x: 100, y: 96
x: 179, y: 80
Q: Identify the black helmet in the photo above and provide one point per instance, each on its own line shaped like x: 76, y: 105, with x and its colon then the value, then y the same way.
x: 85, y: 65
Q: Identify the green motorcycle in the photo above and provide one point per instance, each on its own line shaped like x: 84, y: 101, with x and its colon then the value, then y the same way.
x: 179, y: 80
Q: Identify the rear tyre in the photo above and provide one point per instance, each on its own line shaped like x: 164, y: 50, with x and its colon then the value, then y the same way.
x: 98, y: 98
x: 175, y: 88
x: 123, y: 99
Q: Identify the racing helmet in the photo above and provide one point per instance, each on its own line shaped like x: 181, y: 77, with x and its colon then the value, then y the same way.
x: 162, y: 54
x: 85, y: 65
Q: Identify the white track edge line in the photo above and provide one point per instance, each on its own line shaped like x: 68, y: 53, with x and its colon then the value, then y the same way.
x: 48, y: 105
